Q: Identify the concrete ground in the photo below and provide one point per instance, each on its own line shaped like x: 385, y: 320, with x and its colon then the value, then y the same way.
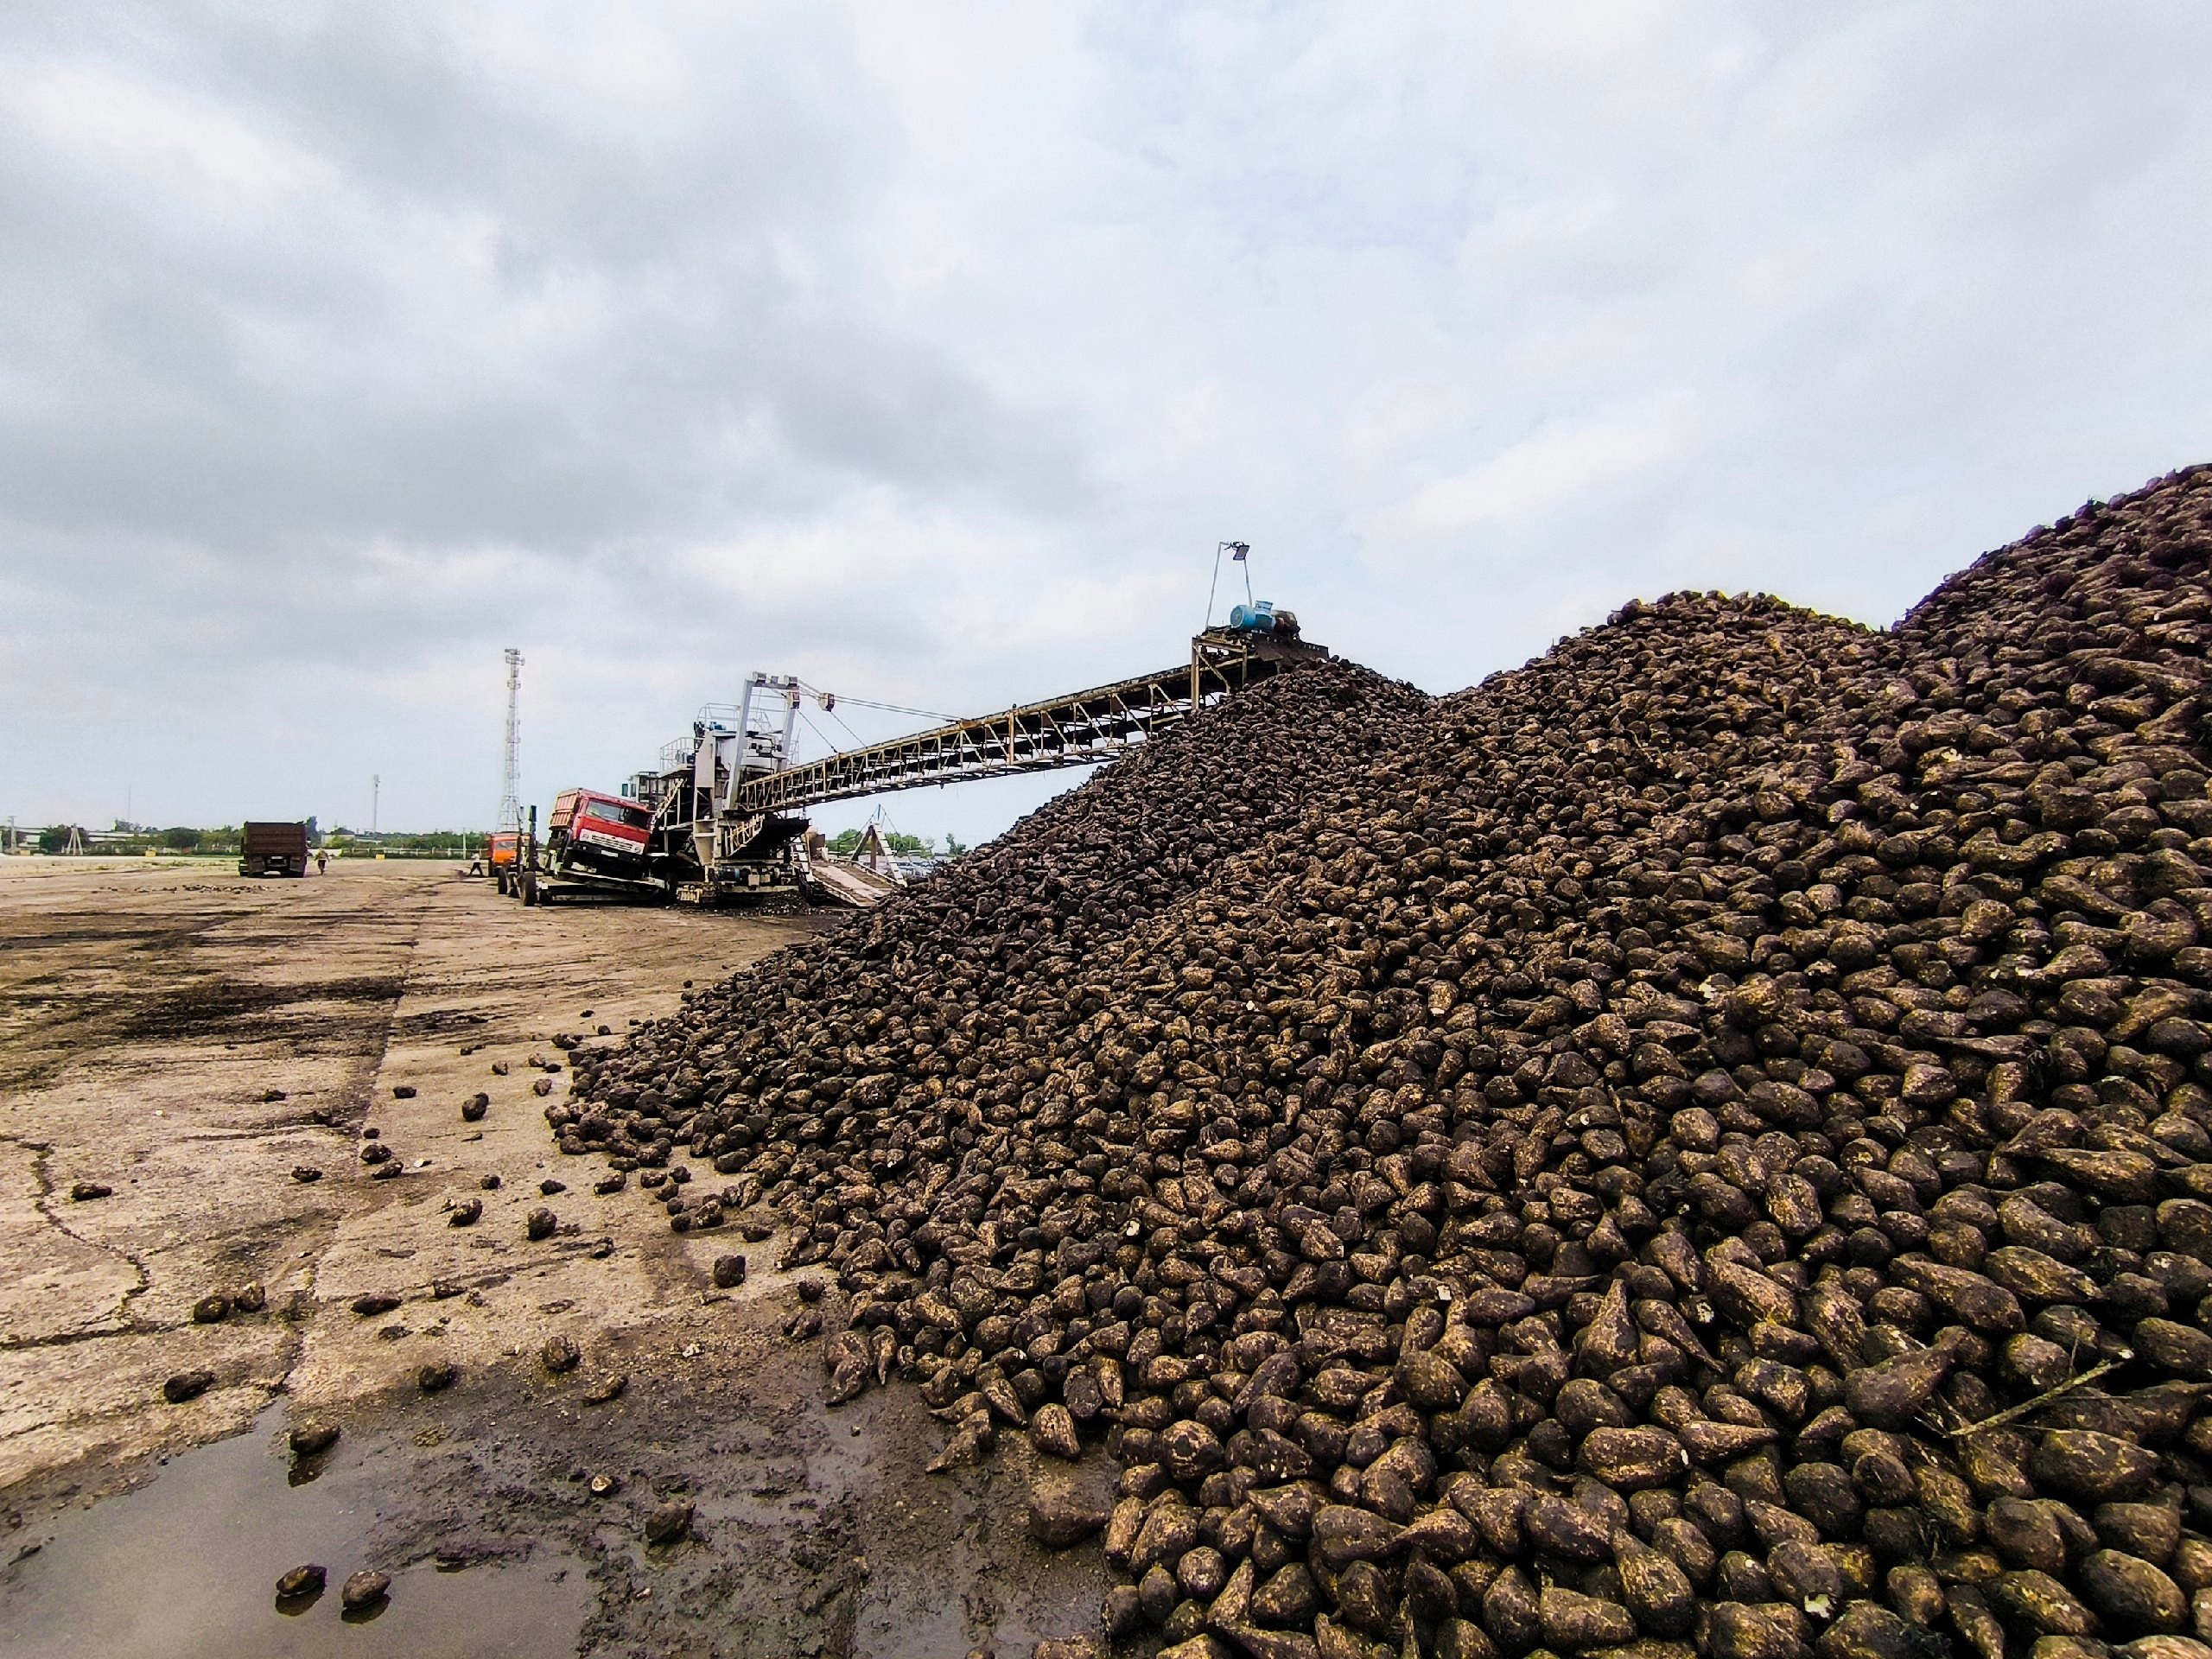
x: 189, y: 1040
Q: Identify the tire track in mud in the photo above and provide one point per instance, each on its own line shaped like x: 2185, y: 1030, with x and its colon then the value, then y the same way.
x: 162, y: 993
x: 38, y: 1009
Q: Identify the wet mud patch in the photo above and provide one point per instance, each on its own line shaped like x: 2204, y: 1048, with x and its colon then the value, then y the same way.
x: 188, y: 1564
x: 35, y: 931
x: 47, y: 1024
x: 815, y: 1532
x: 245, y: 1009
x: 436, y: 1022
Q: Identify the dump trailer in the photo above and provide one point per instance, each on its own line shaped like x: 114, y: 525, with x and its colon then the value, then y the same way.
x: 273, y: 850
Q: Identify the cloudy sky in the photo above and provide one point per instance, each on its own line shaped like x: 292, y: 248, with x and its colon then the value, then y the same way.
x: 926, y: 351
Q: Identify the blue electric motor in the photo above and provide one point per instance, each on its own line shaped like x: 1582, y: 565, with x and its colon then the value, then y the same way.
x: 1261, y: 617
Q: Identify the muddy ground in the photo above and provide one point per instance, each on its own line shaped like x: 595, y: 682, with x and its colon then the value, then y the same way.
x: 189, y: 1039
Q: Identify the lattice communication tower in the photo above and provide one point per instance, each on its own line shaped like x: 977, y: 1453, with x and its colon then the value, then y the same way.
x: 511, y: 773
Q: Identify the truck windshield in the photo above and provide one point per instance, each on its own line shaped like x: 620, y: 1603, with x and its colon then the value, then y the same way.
x: 614, y: 812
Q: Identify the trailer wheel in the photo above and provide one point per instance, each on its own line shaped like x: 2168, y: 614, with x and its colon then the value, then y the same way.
x: 529, y: 891
x: 500, y: 881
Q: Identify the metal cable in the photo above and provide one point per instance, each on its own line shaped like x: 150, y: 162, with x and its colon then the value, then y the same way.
x: 888, y: 708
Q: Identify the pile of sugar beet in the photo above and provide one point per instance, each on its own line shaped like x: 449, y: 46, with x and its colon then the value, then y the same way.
x: 1700, y: 1143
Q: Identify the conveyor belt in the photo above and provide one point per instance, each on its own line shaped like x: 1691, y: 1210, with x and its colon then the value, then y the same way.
x: 1079, y: 730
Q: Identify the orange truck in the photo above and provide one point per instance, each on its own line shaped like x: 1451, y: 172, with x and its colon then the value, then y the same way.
x: 500, y: 853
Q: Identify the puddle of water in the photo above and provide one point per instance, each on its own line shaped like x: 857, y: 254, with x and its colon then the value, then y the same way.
x: 188, y: 1566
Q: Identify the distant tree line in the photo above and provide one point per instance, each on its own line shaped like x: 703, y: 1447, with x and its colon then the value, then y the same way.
x: 181, y: 839
x: 136, y: 840
x: 435, y: 843
x: 846, y: 842
x: 225, y: 840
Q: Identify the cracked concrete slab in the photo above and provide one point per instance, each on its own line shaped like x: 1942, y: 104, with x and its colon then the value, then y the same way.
x: 188, y: 1039
x: 54, y: 1285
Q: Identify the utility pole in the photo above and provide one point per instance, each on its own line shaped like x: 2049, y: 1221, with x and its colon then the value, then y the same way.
x: 376, y: 793
x: 509, y: 813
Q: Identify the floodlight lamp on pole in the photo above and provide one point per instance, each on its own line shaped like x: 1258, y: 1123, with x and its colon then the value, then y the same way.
x: 1240, y: 551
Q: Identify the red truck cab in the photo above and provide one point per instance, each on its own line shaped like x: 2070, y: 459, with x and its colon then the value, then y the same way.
x: 604, y: 834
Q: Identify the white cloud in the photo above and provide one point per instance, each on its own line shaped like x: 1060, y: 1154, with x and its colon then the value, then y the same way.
x: 926, y: 350
x: 1544, y: 472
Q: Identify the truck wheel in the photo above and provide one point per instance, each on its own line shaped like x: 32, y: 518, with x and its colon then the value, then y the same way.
x: 529, y: 891
x: 500, y: 881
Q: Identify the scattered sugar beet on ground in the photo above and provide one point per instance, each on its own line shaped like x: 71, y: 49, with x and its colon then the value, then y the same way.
x: 1700, y: 1141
